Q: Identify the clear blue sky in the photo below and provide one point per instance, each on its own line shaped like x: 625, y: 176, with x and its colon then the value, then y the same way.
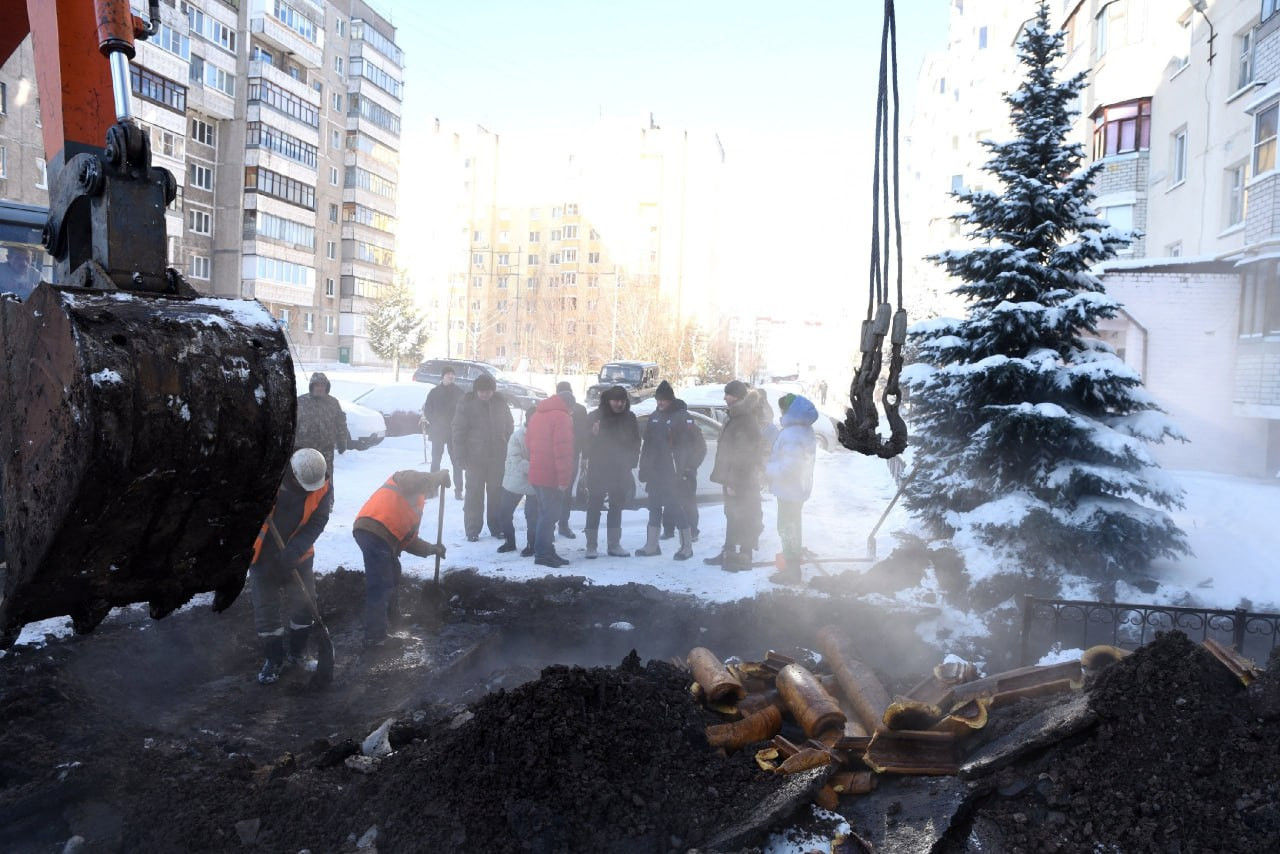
x: 789, y: 88
x: 512, y: 64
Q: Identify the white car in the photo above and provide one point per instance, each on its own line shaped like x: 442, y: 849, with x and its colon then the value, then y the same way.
x: 366, y: 426
x: 707, y: 491
x: 709, y: 400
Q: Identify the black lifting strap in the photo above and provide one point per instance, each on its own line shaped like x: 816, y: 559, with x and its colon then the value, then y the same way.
x: 858, y: 431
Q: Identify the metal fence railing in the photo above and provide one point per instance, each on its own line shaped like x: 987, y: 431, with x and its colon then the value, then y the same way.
x: 1074, y: 623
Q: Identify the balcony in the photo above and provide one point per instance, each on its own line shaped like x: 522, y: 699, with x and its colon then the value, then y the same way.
x: 285, y: 81
x: 274, y: 33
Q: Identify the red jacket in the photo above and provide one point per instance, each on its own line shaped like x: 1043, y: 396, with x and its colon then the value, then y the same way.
x: 550, y: 440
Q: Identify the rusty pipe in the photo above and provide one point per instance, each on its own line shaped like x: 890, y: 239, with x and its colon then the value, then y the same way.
x: 809, y: 703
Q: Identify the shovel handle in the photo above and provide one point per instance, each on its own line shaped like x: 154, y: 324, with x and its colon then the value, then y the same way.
x: 439, y: 533
x: 306, y: 594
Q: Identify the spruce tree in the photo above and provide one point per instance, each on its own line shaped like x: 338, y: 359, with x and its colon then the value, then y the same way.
x: 396, y: 329
x: 1030, y: 432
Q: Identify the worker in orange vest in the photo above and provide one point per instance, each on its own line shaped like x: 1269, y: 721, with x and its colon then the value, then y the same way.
x: 301, y: 511
x: 387, y: 525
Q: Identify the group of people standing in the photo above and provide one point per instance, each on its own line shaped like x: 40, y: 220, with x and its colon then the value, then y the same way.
x: 497, y: 464
x: 539, y: 461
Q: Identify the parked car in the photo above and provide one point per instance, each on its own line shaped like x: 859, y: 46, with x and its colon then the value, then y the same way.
x: 465, y: 372
x: 709, y: 400
x: 366, y: 426
x: 640, y: 379
x: 400, y: 404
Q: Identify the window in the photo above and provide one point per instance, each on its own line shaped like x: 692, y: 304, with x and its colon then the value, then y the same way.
x: 1260, y: 300
x: 4, y: 162
x: 298, y: 234
x: 1178, y: 151
x: 261, y: 135
x: 1269, y: 8
x: 593, y: 257
x: 1264, y: 139
x: 569, y: 278
x: 982, y: 38
x: 330, y: 326
x: 569, y: 256
x: 261, y: 54
x: 331, y: 249
x: 284, y: 318
x: 531, y: 282
x: 337, y: 101
x: 201, y: 222
x: 1122, y: 128
x: 259, y: 180
x: 335, y: 139
x: 535, y: 236
x: 502, y: 281
x: 957, y: 183
x: 1183, y: 59
x: 152, y: 87
x: 571, y: 232
x: 1236, y: 194
x: 333, y: 176
x: 504, y: 259
x: 533, y: 260
x: 477, y: 281
x: 203, y: 133
x: 477, y: 259
x: 1100, y: 32
x: 554, y: 259
x: 942, y: 86
x: 266, y: 92
x: 1119, y: 216
x: 199, y: 267
x: 308, y: 321
x: 556, y: 234
x: 173, y: 42
x: 1244, y: 59
x: 340, y: 27
x: 339, y: 65
x: 571, y: 209
x: 330, y: 287
x: 333, y: 212
x: 4, y: 99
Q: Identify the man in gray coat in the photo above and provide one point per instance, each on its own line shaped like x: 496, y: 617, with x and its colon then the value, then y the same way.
x: 321, y: 422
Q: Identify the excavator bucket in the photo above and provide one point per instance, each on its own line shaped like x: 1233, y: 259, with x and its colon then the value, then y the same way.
x: 144, y: 438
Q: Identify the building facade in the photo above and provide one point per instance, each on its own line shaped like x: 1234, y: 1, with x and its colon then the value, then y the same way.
x: 1181, y: 112
x: 280, y: 120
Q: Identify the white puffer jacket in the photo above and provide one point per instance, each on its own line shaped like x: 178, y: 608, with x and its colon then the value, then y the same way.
x: 515, y: 476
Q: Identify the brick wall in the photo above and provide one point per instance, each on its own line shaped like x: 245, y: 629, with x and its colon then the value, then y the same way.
x: 1190, y: 366
x: 1128, y: 174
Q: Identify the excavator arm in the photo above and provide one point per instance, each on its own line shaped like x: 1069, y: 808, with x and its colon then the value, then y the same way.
x: 145, y: 427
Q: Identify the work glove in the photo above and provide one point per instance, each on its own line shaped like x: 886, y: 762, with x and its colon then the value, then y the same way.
x: 290, y: 556
x: 439, y: 550
x: 439, y: 479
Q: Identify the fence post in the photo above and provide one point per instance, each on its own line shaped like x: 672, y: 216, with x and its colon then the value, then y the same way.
x: 1027, y: 608
x: 1237, y: 636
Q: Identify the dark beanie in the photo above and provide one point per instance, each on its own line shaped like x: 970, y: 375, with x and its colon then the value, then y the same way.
x: 736, y: 388
x: 563, y: 386
x: 485, y: 382
x: 664, y: 392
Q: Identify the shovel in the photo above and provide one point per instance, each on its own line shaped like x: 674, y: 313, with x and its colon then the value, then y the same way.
x: 324, y: 662
x: 434, y: 592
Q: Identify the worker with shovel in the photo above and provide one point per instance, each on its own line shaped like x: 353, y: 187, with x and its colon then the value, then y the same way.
x: 283, y: 555
x: 387, y: 525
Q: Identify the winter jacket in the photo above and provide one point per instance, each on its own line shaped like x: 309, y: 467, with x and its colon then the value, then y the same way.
x: 581, y: 421
x: 482, y: 429
x: 299, y: 517
x: 439, y: 410
x: 515, y: 477
x: 612, y: 447
x: 394, y: 512
x: 673, y: 446
x: 741, y: 451
x: 321, y: 422
x: 550, y: 440
x: 790, y: 466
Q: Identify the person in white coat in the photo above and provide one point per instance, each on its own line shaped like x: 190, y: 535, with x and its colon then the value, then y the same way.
x: 516, y: 486
x: 790, y: 475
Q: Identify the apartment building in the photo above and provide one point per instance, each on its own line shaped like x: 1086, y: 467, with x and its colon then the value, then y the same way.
x: 1180, y: 111
x: 280, y: 120
x: 560, y: 250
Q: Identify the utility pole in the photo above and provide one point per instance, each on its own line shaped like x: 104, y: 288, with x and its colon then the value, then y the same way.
x: 613, y: 335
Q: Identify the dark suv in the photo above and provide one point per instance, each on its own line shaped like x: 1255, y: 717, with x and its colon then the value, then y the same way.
x: 640, y: 379
x: 465, y: 372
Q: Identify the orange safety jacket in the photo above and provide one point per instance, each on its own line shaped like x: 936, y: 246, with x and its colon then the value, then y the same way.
x: 309, y: 506
x: 389, y: 508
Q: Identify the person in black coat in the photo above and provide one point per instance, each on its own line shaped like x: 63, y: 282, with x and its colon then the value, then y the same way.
x: 482, y: 426
x: 739, y: 469
x: 673, y: 444
x: 438, y: 411
x: 612, y: 450
x: 580, y: 417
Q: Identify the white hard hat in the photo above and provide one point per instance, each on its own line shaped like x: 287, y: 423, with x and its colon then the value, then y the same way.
x: 309, y: 468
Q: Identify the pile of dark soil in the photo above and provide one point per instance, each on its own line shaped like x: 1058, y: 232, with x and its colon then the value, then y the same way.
x: 1183, y: 758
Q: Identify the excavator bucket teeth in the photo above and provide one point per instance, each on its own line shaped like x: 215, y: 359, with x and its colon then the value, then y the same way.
x: 144, y: 439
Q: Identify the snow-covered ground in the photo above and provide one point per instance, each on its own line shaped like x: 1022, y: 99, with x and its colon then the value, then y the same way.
x: 1230, y: 523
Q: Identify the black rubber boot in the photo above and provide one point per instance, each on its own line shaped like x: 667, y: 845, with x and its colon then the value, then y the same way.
x: 273, y: 646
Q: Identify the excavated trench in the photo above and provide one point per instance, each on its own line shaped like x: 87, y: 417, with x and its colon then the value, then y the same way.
x: 521, y: 722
